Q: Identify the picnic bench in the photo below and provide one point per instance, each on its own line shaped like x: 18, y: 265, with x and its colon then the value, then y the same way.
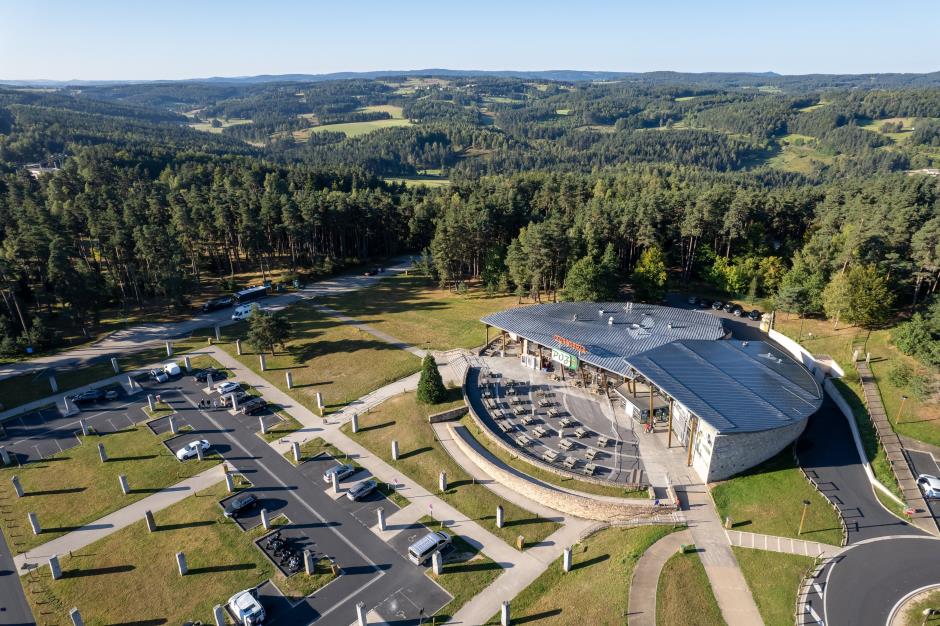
x: 529, y: 419
x: 580, y: 432
x: 554, y: 412
x: 566, y: 421
x: 523, y: 441
x: 567, y: 444
x: 570, y: 462
x: 603, y: 441
x: 518, y: 410
x: 506, y: 427
x: 591, y: 454
x: 550, y: 455
x: 589, y: 469
x: 539, y: 431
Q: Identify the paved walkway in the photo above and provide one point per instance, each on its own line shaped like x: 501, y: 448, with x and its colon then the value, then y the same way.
x: 351, y: 321
x: 646, y: 577
x: 121, y: 518
x: 787, y: 545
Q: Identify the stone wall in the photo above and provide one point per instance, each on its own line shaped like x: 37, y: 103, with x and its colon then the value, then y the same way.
x: 446, y: 416
x: 732, y: 454
x: 562, y: 501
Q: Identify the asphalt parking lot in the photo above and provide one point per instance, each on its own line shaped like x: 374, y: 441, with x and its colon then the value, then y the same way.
x: 924, y: 463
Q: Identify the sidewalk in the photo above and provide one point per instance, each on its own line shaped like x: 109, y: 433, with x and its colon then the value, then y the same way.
x: 121, y: 518
x: 645, y: 581
x: 773, y: 543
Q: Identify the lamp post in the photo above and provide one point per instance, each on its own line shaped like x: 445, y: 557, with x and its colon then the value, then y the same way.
x: 897, y: 420
x: 803, y: 516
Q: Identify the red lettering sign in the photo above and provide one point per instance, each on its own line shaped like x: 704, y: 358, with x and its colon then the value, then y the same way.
x: 569, y: 343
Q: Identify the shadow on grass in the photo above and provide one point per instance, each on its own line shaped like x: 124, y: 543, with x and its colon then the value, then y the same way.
x: 597, y: 559
x: 746, y: 522
x: 156, y: 489
x: 143, y: 622
x: 536, y: 616
x: 97, y: 571
x: 212, y: 569
x: 471, y: 567
x: 54, y: 492
x: 377, y: 426
x: 141, y: 457
x: 524, y: 522
x: 194, y: 524
x: 68, y: 529
x: 414, y: 452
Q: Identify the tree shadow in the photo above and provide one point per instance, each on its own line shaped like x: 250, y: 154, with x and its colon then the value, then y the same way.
x: 54, y: 492
x: 597, y: 559
x: 97, y: 571
x: 234, y: 567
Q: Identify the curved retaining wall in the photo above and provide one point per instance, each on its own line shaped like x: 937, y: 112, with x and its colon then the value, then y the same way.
x: 567, y: 503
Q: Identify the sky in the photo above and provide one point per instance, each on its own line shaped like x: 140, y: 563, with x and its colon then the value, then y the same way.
x: 172, y: 39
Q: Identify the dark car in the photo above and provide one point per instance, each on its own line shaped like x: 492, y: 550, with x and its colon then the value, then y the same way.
x: 737, y: 311
x: 717, y: 304
x: 704, y: 303
x: 255, y: 405
x: 754, y: 315
x: 90, y: 395
x: 203, y: 375
x: 729, y: 306
x: 217, y: 303
x: 240, y: 396
x: 239, y: 504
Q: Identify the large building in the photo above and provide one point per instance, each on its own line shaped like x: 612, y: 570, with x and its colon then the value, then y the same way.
x: 732, y: 404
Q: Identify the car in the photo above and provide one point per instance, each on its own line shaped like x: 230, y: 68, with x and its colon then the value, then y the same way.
x: 704, y: 303
x: 217, y: 303
x: 737, y: 311
x: 190, y: 449
x: 342, y: 471
x: 930, y: 485
x: 229, y: 387
x: 754, y: 315
x: 246, y: 608
x: 729, y: 306
x: 255, y: 405
x: 423, y: 549
x: 693, y: 300
x: 239, y: 397
x: 717, y: 304
x: 89, y: 395
x: 361, y: 489
x: 159, y: 376
x: 240, y: 504
x: 111, y: 394
x: 203, y: 375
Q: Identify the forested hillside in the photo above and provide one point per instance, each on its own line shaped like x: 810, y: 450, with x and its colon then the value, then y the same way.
x: 778, y: 187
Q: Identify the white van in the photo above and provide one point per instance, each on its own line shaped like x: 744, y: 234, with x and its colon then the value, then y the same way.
x: 172, y: 369
x: 423, y: 549
x: 242, y: 312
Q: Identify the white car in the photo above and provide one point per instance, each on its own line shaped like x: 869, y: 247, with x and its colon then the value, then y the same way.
x: 246, y: 608
x: 229, y: 387
x: 930, y: 485
x: 189, y: 450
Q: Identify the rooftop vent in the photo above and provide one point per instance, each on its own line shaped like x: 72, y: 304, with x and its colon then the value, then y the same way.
x: 743, y: 344
x: 670, y: 325
x: 610, y: 320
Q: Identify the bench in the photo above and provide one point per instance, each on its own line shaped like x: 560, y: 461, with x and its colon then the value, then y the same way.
x: 518, y: 410
x: 554, y: 412
x: 550, y: 455
x: 506, y: 428
x: 591, y: 454
x: 567, y: 444
x: 523, y: 441
x: 570, y: 462
x: 545, y: 403
x: 589, y: 469
x: 539, y: 431
x: 566, y: 421
x: 603, y: 441
x: 580, y: 432
x: 529, y: 419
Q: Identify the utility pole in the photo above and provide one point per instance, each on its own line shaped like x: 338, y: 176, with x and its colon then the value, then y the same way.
x: 897, y: 420
x: 803, y: 516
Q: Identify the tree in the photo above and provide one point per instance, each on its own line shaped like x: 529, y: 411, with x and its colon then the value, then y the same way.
x: 266, y: 330
x: 859, y: 296
x: 649, y: 277
x: 801, y: 289
x: 431, y: 388
x: 836, y: 297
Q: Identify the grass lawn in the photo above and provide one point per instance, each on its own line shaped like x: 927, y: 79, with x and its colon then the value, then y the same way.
x: 414, y: 310
x: 597, y: 589
x: 287, y: 426
x: 160, y: 409
x: 914, y: 612
x: 353, y: 129
x: 774, y: 579
x: 466, y: 571
x: 684, y: 595
x: 396, y: 112
x: 767, y: 499
x: 74, y: 487
x: 207, y: 127
x: 329, y: 357
x: 545, y: 476
x: 799, y: 153
x: 422, y: 458
x: 138, y: 570
x: 418, y: 181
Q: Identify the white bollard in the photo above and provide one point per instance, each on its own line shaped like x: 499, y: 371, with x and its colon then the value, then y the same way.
x: 295, y: 447
x: 219, y: 614
x: 504, y: 613
x: 69, y: 407
x: 131, y: 384
x: 566, y: 560
x: 361, y: 614
x: 381, y: 514
x: 150, y: 401
x: 102, y: 453
x: 437, y: 563
x: 290, y: 379
x: 76, y: 617
x: 320, y: 402
x: 209, y: 382
x: 355, y: 423
x: 181, y: 563
x: 335, y: 482
x: 115, y: 366
x: 187, y: 362
x: 169, y: 349
x: 394, y: 449
x: 262, y: 361
x: 34, y: 522
x: 265, y: 522
x: 200, y: 455
x: 17, y: 487
x: 264, y: 427
x: 442, y: 481
x: 122, y: 479
x: 218, y: 333
x: 229, y: 483
x: 310, y: 566
x: 172, y: 423
x: 234, y: 402
x: 83, y: 426
x: 53, y: 384
x: 499, y: 516
x: 54, y: 567
x: 238, y: 346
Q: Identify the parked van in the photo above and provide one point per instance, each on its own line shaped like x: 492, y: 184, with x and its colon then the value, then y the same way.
x: 172, y: 369
x: 243, y: 311
x: 246, y: 608
x: 423, y: 549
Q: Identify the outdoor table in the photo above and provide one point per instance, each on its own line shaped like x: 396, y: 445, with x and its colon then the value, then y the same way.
x: 591, y: 453
x: 566, y: 421
x: 528, y: 419
x: 589, y: 469
x: 506, y: 428
x: 539, y: 431
x: 519, y: 410
x: 523, y: 441
x: 570, y: 462
x: 580, y: 432
x: 603, y: 441
x: 550, y: 455
x: 567, y: 444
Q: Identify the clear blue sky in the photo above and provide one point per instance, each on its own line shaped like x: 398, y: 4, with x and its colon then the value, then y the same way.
x: 165, y: 39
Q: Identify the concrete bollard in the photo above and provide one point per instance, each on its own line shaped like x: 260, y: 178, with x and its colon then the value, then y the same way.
x: 218, y: 333
x: 102, y: 453
x: 181, y: 563
x: 437, y: 563
x: 187, y: 363
x: 262, y: 362
x: 229, y: 483
x: 320, y: 402
x: 394, y: 449
x: 209, y: 382
x: 34, y: 522
x: 295, y: 447
x: 361, y: 614
x: 83, y: 426
x: 150, y: 401
x: 76, y: 617
x: 54, y: 567
x: 442, y: 481
x: 355, y: 423
x: 131, y: 383
x: 17, y: 487
x: 200, y: 455
x: 335, y: 482
x: 169, y: 348
x: 290, y: 379
x: 265, y: 522
x: 234, y: 402
x: 122, y: 479
x: 264, y: 427
x: 151, y: 523
x: 499, y: 516
x: 53, y: 384
x: 238, y: 346
x: 566, y: 560
x: 69, y: 407
x: 310, y: 566
x: 115, y: 366
x: 219, y: 614
x: 4, y: 455
x: 172, y: 422
x: 504, y: 613
x: 381, y: 514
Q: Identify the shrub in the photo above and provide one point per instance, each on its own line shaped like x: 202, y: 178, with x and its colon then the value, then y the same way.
x: 430, y: 386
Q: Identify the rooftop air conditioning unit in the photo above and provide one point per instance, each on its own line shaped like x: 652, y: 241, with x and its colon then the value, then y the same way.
x: 610, y: 320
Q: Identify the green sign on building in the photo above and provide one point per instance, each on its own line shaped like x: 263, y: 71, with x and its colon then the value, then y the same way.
x: 566, y: 360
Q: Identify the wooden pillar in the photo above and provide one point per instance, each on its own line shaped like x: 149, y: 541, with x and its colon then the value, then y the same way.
x: 583, y: 373
x: 669, y: 441
x: 693, y: 429
x: 487, y: 326
x: 649, y: 386
x: 502, y: 335
x: 540, y: 355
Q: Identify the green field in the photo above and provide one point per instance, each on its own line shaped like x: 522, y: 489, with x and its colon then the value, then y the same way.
x: 395, y: 111
x: 138, y: 570
x: 414, y: 310
x: 419, y: 181
x: 799, y: 153
x: 597, y: 589
x: 74, y: 487
x: 354, y: 129
x: 774, y: 579
x: 329, y: 357
x: 422, y: 458
x: 207, y: 127
x: 913, y: 614
x: 767, y: 499
x: 901, y: 137
x: 684, y: 595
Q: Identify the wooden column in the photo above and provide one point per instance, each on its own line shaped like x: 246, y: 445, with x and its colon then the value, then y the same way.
x: 693, y: 430
x: 669, y: 442
x: 649, y: 386
x: 487, y: 334
x: 502, y: 335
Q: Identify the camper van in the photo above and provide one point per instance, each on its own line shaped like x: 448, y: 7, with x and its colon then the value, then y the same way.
x: 172, y: 369
x: 246, y: 608
x: 242, y: 311
x: 423, y: 549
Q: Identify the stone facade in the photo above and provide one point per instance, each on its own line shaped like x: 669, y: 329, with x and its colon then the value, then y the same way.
x: 721, y: 456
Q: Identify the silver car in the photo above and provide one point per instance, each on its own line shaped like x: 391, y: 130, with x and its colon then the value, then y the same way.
x: 341, y: 471
x: 361, y: 489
